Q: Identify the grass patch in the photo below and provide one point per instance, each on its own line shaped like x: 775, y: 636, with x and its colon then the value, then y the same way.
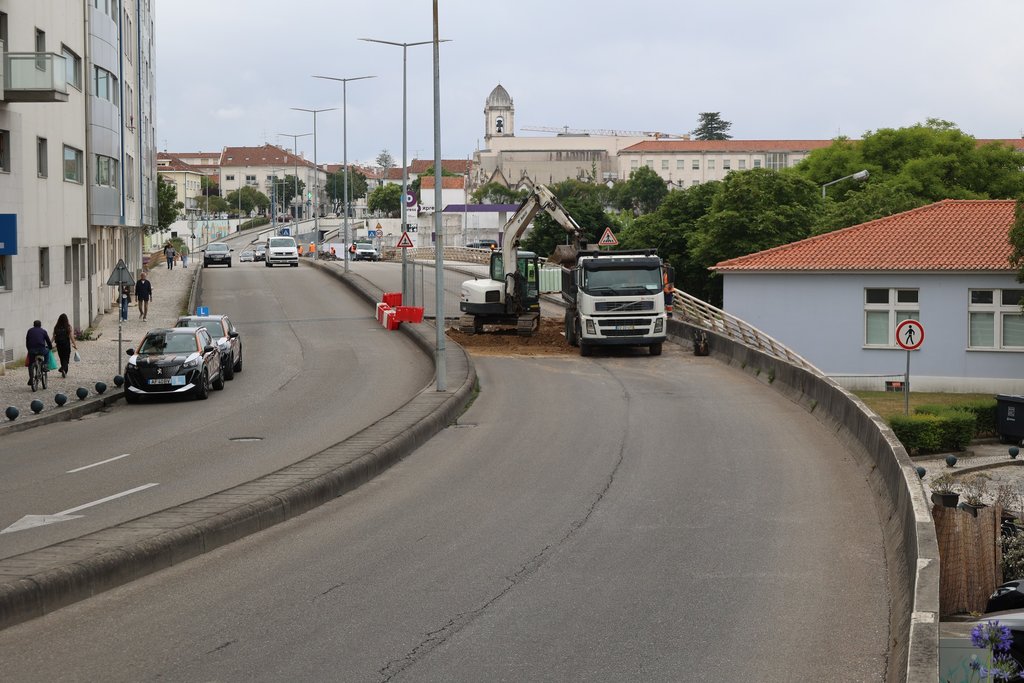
x: 890, y: 403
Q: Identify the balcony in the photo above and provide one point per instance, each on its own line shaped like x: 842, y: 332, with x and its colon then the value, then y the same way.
x: 34, y: 77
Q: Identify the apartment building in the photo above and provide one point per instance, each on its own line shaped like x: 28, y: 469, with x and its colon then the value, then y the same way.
x: 77, y: 162
x: 262, y: 167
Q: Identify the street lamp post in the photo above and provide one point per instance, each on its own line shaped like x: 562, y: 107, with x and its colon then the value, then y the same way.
x: 316, y: 182
x: 440, y: 364
x: 344, y: 146
x: 405, y: 164
x: 859, y: 175
x: 295, y: 153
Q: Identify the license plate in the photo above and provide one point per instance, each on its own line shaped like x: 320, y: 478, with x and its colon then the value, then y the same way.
x: 625, y: 327
x: 160, y: 381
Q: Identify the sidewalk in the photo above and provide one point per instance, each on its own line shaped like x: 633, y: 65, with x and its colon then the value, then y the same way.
x: 100, y: 361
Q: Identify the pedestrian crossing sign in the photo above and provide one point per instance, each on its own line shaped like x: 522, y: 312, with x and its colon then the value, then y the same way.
x: 608, y: 239
x: 404, y: 242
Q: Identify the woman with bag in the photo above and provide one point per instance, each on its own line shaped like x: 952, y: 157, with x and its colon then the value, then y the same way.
x: 64, y: 340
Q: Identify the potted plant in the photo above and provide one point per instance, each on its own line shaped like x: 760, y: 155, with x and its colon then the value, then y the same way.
x: 944, y: 491
x: 974, y: 489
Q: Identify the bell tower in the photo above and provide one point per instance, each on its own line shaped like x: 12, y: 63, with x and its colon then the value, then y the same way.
x: 499, y: 114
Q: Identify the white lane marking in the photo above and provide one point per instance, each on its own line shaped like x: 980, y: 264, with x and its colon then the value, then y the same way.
x: 97, y: 464
x: 30, y: 521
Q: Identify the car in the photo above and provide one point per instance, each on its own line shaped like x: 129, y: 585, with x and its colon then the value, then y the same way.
x: 173, y: 362
x: 217, y: 253
x: 365, y: 252
x: 282, y: 250
x: 483, y: 244
x: 260, y: 253
x: 224, y: 335
x: 247, y: 256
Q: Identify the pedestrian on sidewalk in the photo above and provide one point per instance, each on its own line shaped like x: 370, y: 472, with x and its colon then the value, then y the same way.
x: 64, y: 340
x: 126, y: 299
x: 169, y: 255
x: 144, y: 293
x: 184, y: 258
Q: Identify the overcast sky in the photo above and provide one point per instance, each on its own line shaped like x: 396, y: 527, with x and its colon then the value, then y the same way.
x: 228, y: 71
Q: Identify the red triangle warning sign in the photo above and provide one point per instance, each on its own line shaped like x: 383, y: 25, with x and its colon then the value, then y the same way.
x: 405, y: 242
x: 608, y: 239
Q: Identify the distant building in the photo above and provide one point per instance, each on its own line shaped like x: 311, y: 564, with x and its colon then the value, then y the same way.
x: 262, y: 167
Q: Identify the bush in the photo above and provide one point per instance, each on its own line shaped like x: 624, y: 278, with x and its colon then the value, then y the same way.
x: 923, y: 432
x: 984, y: 416
x: 1013, y: 556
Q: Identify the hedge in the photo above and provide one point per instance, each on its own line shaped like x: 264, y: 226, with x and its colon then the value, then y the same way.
x: 983, y: 410
x: 923, y: 432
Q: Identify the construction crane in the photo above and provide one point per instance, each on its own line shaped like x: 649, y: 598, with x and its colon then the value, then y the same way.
x: 566, y: 130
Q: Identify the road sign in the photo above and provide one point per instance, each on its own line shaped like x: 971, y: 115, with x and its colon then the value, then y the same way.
x: 372, y: 234
x: 410, y: 199
x: 910, y: 335
x: 285, y: 232
x: 608, y: 239
x: 121, y: 275
x: 404, y: 242
x: 202, y: 310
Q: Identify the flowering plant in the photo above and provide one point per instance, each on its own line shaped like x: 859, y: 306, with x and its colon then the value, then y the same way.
x: 996, y: 664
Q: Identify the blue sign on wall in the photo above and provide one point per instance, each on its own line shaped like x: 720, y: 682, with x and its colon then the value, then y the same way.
x: 8, y: 234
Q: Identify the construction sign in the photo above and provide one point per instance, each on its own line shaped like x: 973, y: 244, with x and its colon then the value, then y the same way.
x: 404, y: 242
x: 608, y: 239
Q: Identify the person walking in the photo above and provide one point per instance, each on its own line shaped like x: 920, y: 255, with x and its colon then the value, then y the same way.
x: 184, y: 258
x: 38, y: 344
x: 169, y: 255
x: 143, y: 294
x: 126, y: 298
x: 64, y: 340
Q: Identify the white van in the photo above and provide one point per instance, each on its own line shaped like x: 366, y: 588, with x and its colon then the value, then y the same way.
x: 282, y: 250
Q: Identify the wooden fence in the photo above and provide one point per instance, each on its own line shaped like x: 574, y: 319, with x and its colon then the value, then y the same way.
x: 970, y: 557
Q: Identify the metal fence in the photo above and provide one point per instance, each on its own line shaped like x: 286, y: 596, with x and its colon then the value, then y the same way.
x: 422, y: 288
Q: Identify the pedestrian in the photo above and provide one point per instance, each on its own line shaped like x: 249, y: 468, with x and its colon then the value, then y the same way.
x: 64, y: 340
x: 38, y: 344
x: 184, y: 259
x: 169, y: 255
x: 144, y: 294
x: 126, y: 298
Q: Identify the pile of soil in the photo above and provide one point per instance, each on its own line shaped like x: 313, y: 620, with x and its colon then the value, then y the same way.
x: 496, y: 341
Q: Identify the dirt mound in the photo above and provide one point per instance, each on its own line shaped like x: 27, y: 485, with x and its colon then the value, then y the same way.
x: 496, y: 341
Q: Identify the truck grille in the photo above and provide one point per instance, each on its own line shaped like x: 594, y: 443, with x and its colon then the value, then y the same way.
x: 611, y: 322
x: 619, y: 306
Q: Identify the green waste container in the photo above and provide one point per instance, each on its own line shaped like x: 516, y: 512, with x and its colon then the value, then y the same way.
x: 1010, y: 418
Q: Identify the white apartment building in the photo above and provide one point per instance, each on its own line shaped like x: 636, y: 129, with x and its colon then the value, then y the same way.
x: 262, y: 167
x: 77, y: 160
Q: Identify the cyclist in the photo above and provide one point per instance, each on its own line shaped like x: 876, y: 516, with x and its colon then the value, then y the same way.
x: 38, y: 343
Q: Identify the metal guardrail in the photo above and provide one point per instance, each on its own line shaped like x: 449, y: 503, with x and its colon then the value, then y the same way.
x: 463, y: 254
x: 702, y: 314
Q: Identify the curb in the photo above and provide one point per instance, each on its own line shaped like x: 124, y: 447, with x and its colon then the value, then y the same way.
x: 41, y: 581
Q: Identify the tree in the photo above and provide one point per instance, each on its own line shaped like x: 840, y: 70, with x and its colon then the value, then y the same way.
x: 642, y: 193
x: 386, y: 199
x: 168, y: 205
x: 285, y: 189
x: 1017, y: 240
x: 495, y: 193
x: 385, y: 161
x: 336, y: 187
x: 712, y: 127
x: 585, y: 202
x: 874, y: 200
x: 252, y: 199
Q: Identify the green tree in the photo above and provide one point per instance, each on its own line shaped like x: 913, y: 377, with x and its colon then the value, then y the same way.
x: 712, y: 127
x: 287, y: 188
x: 251, y: 200
x: 168, y: 205
x: 1017, y: 240
x: 495, y: 193
x: 585, y: 202
x: 357, y: 187
x: 874, y: 200
x: 642, y: 193
x: 386, y: 200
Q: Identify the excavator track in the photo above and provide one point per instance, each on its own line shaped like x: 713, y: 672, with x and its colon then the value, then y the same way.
x: 467, y: 325
x: 527, y: 324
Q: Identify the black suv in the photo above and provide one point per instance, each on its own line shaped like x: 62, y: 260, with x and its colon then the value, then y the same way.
x: 224, y: 335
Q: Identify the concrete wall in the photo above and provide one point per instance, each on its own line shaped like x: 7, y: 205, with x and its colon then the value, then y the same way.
x: 911, y: 549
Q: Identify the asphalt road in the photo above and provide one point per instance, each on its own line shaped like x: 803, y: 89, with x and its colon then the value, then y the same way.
x: 604, y: 519
x: 317, y: 368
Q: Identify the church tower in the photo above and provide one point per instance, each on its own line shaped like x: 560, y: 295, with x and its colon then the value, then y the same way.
x: 499, y: 115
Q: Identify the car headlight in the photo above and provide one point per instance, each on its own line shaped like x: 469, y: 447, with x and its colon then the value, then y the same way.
x: 192, y: 363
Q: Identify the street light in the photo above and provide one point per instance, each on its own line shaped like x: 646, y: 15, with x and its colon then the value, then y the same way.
x: 440, y: 364
x: 405, y: 164
x: 316, y: 183
x: 859, y: 175
x: 295, y: 153
x: 344, y: 144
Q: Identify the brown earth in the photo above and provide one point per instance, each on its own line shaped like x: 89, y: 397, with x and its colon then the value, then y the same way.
x: 497, y: 341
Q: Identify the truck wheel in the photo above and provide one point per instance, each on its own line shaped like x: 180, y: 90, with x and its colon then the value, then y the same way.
x: 585, y: 349
x: 570, y: 330
x: 656, y: 349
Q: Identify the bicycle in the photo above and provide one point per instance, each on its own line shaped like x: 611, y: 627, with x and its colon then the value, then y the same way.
x: 39, y: 370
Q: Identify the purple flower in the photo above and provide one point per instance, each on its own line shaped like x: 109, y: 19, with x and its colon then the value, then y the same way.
x: 1003, y: 668
x: 990, y: 635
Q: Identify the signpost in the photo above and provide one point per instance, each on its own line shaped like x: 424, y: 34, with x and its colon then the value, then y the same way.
x: 909, y: 337
x: 608, y: 239
x: 119, y: 278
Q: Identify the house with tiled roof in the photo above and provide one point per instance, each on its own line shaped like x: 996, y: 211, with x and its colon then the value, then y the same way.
x: 453, y: 191
x: 262, y: 167
x: 837, y: 298
x: 186, y: 179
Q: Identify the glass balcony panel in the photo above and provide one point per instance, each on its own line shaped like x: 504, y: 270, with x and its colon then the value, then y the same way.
x: 35, y: 77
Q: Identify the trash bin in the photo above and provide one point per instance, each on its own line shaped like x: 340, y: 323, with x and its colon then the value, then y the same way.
x: 1010, y: 418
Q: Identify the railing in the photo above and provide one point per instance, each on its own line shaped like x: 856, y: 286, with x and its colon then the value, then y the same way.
x: 463, y: 254
x: 35, y: 77
x: 702, y: 314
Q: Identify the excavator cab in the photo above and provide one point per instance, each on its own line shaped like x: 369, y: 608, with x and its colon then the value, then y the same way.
x: 529, y: 270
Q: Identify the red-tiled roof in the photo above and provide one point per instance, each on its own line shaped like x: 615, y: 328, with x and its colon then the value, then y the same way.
x: 682, y: 146
x: 447, y: 182
x: 450, y: 165
x: 267, y: 155
x: 951, y: 235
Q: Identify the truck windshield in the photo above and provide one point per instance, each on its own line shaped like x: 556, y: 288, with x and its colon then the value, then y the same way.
x: 633, y: 281
x: 280, y: 242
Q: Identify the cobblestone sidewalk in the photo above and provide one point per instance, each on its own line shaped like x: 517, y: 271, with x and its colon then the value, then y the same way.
x: 100, y: 361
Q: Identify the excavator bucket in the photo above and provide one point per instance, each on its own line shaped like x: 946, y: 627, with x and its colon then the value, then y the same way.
x: 564, y: 255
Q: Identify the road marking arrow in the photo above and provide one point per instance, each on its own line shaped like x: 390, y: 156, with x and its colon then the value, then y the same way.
x: 29, y: 521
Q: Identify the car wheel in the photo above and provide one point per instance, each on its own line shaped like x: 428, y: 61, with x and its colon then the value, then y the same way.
x: 218, y: 383
x: 238, y: 363
x: 266, y: 263
x: 203, y: 390
x: 229, y: 264
x: 227, y: 368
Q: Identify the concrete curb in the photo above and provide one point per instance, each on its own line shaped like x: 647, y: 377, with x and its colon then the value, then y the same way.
x: 912, y: 554
x: 38, y: 582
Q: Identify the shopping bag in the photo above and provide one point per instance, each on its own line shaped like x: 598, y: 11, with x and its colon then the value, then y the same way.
x: 78, y: 356
x: 53, y: 361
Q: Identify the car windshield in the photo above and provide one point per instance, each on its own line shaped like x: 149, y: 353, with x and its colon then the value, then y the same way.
x: 282, y: 242
x: 168, y: 343
x: 217, y: 247
x: 364, y: 246
x: 214, y: 327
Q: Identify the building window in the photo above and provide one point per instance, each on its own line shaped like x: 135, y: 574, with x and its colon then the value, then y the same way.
x: 995, y: 319
x: 42, y: 168
x: 40, y: 49
x: 650, y: 163
x: 680, y: 164
x: 44, y: 266
x: 884, y: 309
x: 106, y: 171
x: 69, y: 264
x: 5, y: 151
x: 757, y: 163
x: 229, y: 177
x: 664, y: 164
x: 634, y: 163
x: 694, y: 182
x: 130, y: 173
x: 695, y: 165
x: 743, y: 164
x: 105, y: 85
x: 711, y: 164
x: 73, y: 164
x: 72, y: 67
x: 5, y: 274
x: 3, y: 35
x: 250, y: 180
x: 726, y: 164
x: 776, y: 160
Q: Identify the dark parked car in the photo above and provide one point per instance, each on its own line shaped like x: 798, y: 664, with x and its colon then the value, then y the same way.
x: 1009, y: 595
x: 217, y: 254
x: 224, y: 335
x: 180, y: 360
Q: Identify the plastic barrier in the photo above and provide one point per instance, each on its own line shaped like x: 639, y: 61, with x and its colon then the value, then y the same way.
x: 409, y: 314
x: 392, y: 299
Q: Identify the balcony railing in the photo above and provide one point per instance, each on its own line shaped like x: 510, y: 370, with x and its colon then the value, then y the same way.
x: 34, y: 77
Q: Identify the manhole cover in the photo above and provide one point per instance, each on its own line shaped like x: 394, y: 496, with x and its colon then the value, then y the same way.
x: 246, y: 438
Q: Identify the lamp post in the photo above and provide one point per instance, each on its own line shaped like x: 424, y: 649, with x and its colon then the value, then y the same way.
x: 440, y: 364
x: 295, y: 153
x: 316, y: 182
x: 859, y: 175
x: 405, y: 164
x: 344, y: 145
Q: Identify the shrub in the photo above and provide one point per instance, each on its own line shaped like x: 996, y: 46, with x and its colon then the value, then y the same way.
x: 949, y: 430
x: 984, y: 412
x: 1013, y: 556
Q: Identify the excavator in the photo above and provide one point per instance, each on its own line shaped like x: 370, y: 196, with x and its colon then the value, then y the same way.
x: 511, y: 297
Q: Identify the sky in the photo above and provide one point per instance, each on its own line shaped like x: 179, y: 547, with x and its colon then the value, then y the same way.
x: 228, y: 72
